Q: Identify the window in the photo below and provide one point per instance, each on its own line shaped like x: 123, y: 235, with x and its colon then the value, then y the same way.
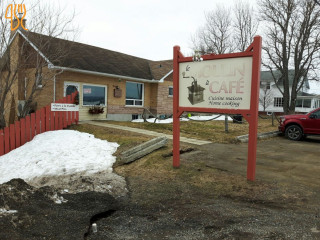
x: 305, y: 103
x: 71, y: 89
x: 94, y: 95
x: 268, y: 86
x: 170, y: 91
x: 317, y: 113
x: 135, y: 116
x: 299, y: 103
x: 278, y: 102
x: 134, y: 94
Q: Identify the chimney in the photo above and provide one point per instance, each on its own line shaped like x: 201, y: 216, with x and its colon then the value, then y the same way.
x: 15, y: 22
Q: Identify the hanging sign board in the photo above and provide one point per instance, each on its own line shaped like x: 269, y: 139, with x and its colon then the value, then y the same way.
x: 64, y: 107
x: 220, y: 84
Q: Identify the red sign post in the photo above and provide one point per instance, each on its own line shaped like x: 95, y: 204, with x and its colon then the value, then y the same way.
x: 225, y: 83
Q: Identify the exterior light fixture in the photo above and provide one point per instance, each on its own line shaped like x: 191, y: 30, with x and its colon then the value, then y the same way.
x: 197, y: 56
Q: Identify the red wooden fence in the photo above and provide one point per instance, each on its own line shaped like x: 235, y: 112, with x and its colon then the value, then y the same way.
x: 41, y: 121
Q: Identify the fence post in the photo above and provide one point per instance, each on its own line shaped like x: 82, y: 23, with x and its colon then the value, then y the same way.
x: 226, y: 124
x: 33, y: 125
x: 69, y: 113
x: 18, y: 132
x: 43, y: 119
x: 56, y: 121
x: 12, y: 138
x: 48, y: 113
x: 1, y: 142
x: 73, y: 113
x: 52, y: 121
x: 6, y: 140
x: 64, y: 114
x: 38, y: 119
x: 28, y: 129
x: 23, y: 130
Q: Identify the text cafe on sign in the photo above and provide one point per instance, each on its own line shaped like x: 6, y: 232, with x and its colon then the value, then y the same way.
x: 11, y: 13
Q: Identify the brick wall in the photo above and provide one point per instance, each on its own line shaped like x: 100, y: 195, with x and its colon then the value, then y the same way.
x: 164, y: 101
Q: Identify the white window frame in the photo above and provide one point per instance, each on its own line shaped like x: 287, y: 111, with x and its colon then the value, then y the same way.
x: 95, y: 85
x: 169, y: 91
x: 278, y: 102
x: 67, y: 84
x: 134, y: 100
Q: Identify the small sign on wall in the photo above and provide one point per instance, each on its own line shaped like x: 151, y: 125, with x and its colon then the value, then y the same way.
x: 117, y: 93
x: 64, y: 107
x: 86, y: 90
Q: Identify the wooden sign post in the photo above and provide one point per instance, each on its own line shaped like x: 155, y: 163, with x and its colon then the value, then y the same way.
x: 225, y: 83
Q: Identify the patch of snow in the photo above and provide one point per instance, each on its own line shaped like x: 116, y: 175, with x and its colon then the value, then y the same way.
x: 208, y: 118
x: 58, y: 153
x: 138, y: 120
x: 151, y: 120
x: 194, y: 118
x: 5, y: 211
x: 58, y: 200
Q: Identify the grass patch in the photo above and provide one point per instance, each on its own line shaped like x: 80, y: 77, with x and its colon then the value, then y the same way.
x: 153, y: 180
x: 125, y: 139
x: 213, y: 131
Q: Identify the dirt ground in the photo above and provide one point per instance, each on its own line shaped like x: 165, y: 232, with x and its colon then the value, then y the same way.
x: 208, y: 197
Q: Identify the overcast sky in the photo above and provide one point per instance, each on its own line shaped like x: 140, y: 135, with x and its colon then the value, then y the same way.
x: 143, y: 28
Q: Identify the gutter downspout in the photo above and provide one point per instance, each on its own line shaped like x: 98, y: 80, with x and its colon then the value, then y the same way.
x: 54, y: 85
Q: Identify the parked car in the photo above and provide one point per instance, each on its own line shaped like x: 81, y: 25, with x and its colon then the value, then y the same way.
x: 295, y: 127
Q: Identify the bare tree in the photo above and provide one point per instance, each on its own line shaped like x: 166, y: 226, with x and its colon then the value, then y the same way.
x: 226, y: 30
x: 24, y: 68
x: 265, y: 97
x: 292, y: 41
x: 245, y: 25
x: 215, y: 36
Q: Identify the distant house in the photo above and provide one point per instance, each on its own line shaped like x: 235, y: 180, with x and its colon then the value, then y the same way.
x: 125, y: 86
x: 271, y: 99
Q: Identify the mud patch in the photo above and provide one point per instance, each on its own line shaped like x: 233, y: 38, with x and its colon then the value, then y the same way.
x: 37, y: 215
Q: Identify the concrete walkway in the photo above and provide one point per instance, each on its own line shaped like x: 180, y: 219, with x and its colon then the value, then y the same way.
x: 145, y: 132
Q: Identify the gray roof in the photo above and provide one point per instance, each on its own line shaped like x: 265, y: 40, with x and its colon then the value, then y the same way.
x: 266, y: 76
x: 86, y: 57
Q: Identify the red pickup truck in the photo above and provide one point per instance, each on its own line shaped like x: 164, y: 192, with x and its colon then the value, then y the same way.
x: 297, y: 126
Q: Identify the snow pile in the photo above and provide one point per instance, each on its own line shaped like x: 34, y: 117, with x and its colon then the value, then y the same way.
x: 58, y: 153
x: 194, y: 118
x: 151, y: 120
x: 208, y: 118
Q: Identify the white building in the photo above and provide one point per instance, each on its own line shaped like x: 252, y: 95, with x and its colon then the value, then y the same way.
x: 271, y: 99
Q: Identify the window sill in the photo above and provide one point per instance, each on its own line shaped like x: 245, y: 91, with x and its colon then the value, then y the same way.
x: 134, y: 106
x: 94, y: 105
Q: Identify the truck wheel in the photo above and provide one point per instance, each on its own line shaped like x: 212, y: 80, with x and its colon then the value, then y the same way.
x: 294, y: 132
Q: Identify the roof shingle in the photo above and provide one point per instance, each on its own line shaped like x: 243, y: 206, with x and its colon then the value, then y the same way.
x: 64, y: 53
